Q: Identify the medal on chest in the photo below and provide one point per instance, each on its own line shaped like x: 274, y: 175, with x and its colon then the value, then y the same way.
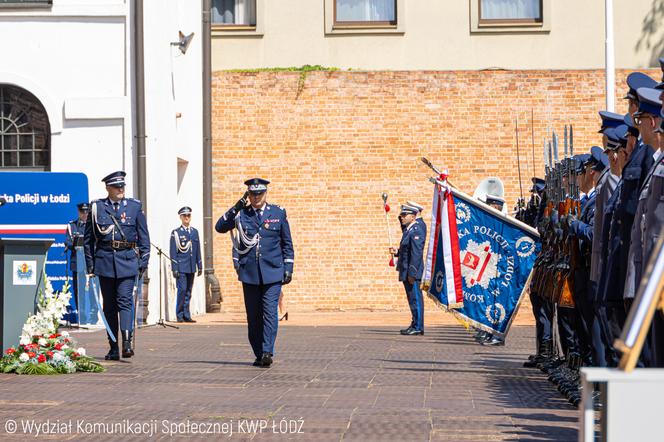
x: 123, y: 217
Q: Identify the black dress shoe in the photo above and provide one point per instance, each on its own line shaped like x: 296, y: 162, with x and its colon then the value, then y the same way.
x: 127, y: 351
x: 404, y: 331
x: 113, y: 354
x: 266, y: 360
x: 189, y: 320
x: 412, y: 331
x: 180, y: 320
x: 257, y: 363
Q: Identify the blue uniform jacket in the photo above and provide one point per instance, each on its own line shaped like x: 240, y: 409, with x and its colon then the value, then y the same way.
x: 583, y: 229
x: 620, y: 233
x: 75, y: 228
x: 584, y: 226
x: 185, y: 250
x: 411, y: 251
x: 101, y: 259
x: 267, y: 261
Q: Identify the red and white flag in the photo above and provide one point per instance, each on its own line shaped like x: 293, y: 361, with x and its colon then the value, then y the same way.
x: 445, y: 235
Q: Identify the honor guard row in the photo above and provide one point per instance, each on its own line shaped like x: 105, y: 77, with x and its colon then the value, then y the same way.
x: 599, y: 215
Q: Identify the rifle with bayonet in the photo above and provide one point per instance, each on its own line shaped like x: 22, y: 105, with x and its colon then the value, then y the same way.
x: 541, y: 277
x: 564, y: 290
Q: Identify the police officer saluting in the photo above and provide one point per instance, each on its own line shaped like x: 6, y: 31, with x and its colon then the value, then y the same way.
x: 265, y: 262
x: 186, y: 261
x: 410, y: 265
x: 117, y: 250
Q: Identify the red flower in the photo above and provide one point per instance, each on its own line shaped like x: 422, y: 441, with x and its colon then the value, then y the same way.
x: 52, y: 337
x: 31, y: 354
x: 41, y: 358
x: 49, y: 354
x: 10, y: 351
x: 67, y: 340
x: 58, y: 346
x: 75, y: 355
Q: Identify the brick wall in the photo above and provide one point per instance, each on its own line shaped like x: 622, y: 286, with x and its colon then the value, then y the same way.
x: 333, y: 143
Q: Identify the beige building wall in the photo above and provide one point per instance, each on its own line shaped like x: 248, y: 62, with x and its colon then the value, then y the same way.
x: 439, y: 35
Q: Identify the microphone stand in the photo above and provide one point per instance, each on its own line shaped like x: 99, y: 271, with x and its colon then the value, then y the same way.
x: 161, y: 322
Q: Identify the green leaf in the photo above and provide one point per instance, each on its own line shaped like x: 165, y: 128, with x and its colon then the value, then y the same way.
x: 36, y: 369
x: 89, y: 365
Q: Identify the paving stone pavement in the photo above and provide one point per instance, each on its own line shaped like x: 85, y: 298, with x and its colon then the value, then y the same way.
x: 328, y: 383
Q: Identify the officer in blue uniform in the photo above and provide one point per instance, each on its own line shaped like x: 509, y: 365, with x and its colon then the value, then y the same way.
x: 264, y: 249
x: 649, y: 137
x: 543, y: 333
x: 117, y: 250
x: 581, y: 231
x: 185, y: 262
x: 74, y: 237
x: 410, y: 266
x: 652, y: 224
x: 637, y: 160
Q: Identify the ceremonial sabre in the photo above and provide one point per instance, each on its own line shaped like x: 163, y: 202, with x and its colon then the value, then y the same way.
x: 518, y: 156
x: 386, y: 208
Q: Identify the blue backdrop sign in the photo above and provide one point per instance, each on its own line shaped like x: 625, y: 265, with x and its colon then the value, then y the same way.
x: 39, y: 205
x: 497, y: 254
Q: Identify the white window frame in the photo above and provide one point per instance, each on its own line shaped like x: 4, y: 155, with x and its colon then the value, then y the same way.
x: 477, y: 28
x: 368, y: 28
x: 220, y: 30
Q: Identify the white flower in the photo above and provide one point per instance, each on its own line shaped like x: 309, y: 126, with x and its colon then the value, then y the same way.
x: 80, y: 351
x: 65, y: 347
x: 58, y: 356
x: 42, y: 342
x: 25, y: 340
x: 64, y: 334
x: 24, y: 357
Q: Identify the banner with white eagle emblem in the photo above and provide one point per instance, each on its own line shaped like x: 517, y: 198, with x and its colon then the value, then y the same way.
x: 493, y: 255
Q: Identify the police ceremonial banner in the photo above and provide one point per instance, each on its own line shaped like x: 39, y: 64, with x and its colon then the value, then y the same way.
x: 39, y: 205
x: 495, y: 253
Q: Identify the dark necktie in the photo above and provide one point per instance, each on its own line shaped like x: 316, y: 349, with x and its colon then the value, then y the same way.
x: 116, y: 207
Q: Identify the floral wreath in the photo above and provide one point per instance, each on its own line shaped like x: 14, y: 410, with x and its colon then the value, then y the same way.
x: 41, y: 349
